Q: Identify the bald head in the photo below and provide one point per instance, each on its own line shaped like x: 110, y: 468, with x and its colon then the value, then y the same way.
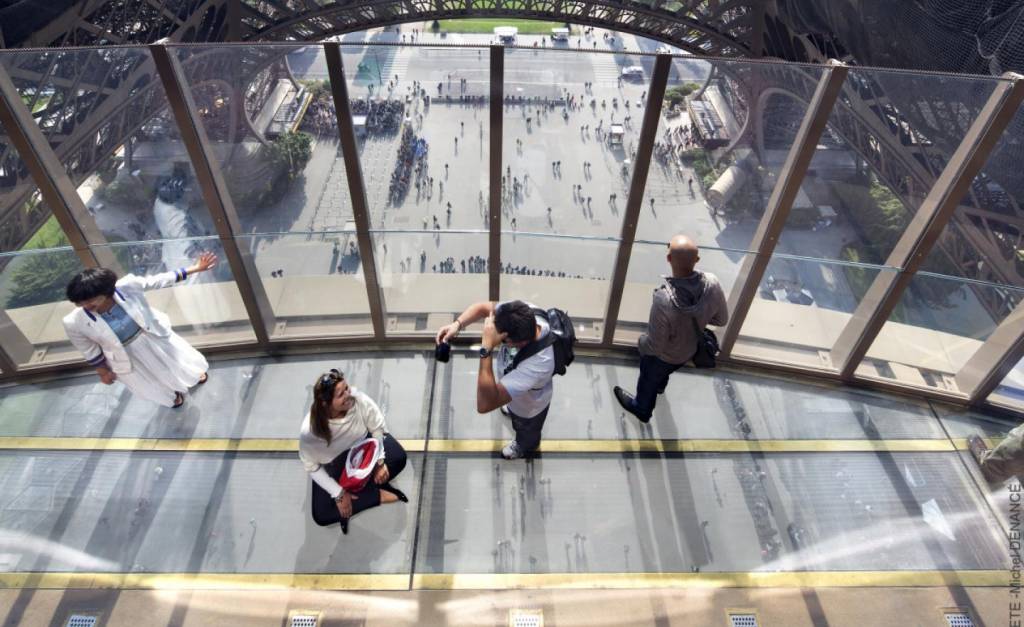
x: 682, y: 255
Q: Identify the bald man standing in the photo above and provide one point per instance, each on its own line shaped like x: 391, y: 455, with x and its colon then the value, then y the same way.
x: 671, y: 340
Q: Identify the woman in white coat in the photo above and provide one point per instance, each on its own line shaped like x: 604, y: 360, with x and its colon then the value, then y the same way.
x: 126, y: 340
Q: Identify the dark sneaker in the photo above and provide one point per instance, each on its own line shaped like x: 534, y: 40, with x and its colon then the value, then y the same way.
x: 626, y: 400
x: 977, y: 447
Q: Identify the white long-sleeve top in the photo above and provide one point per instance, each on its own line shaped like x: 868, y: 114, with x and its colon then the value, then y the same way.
x: 364, y: 417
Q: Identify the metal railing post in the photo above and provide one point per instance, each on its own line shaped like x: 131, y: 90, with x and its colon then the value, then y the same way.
x: 497, y: 107
x: 356, y: 185
x: 781, y: 201
x: 926, y: 226
x: 635, y: 197
x: 215, y: 192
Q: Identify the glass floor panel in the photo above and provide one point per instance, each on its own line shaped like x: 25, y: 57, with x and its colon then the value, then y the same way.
x: 721, y: 512
x: 261, y: 398
x: 696, y: 405
x: 247, y: 512
x: 188, y: 512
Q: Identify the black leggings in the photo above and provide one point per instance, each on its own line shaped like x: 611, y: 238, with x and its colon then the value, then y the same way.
x: 325, y: 510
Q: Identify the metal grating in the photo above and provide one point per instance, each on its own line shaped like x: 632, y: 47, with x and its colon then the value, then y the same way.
x: 959, y: 619
x: 305, y: 620
x: 81, y: 620
x: 526, y: 618
x: 742, y: 620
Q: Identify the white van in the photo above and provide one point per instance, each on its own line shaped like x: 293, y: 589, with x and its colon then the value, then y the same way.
x: 633, y: 73
x: 559, y: 34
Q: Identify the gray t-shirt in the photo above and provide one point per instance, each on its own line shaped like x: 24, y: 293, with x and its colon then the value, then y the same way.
x: 529, y: 384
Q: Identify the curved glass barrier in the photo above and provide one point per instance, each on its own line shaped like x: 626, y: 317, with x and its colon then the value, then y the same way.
x: 572, y: 121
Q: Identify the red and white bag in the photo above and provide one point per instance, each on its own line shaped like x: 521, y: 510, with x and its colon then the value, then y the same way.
x: 360, y: 464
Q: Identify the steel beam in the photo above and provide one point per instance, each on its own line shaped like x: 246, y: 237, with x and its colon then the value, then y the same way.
x: 234, y: 19
x: 926, y: 227
x: 55, y: 186
x: 215, y: 192
x: 990, y: 364
x: 635, y: 198
x: 781, y: 201
x: 496, y: 131
x: 356, y: 187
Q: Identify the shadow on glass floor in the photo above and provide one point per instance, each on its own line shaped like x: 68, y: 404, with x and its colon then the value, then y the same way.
x: 218, y: 511
x: 697, y: 404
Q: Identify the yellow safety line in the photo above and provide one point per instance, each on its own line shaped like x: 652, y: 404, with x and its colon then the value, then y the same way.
x: 700, y: 446
x: 824, y: 579
x: 286, y: 445
x: 270, y: 581
x: 202, y: 581
x: 249, y: 445
x: 961, y: 443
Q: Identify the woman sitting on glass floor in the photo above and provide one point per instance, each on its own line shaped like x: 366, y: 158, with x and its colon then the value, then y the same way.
x: 126, y: 340
x: 343, y: 420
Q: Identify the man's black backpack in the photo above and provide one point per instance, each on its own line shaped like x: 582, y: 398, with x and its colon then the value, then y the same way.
x: 561, y: 339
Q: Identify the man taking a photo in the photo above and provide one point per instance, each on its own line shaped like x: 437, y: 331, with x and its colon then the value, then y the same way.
x: 516, y: 342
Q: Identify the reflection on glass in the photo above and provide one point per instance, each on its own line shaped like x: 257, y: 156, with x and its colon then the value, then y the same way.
x: 647, y: 268
x: 428, y: 277
x: 136, y: 185
x: 801, y: 307
x: 571, y: 123
x: 938, y: 324
x: 205, y: 308
x: 576, y: 278
x: 314, y: 282
x: 271, y: 123
x: 32, y: 284
x: 719, y: 149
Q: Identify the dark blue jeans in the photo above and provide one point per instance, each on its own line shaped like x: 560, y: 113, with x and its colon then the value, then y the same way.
x: 653, y: 378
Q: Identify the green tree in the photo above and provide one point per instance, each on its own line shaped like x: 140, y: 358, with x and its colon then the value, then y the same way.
x: 675, y: 96
x: 290, y: 153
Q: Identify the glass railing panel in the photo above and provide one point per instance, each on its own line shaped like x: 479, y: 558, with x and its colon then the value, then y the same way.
x: 888, y: 138
x: 105, y: 114
x: 801, y: 307
x: 32, y: 288
x: 570, y: 273
x: 1010, y: 391
x: 718, y: 151
x: 979, y: 270
x: 425, y: 150
x: 206, y: 308
x: 314, y: 282
x: 429, y: 277
x: 269, y: 116
x: 648, y: 268
x: 938, y: 324
x: 571, y: 123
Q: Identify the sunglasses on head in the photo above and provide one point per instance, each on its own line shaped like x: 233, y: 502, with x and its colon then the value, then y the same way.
x: 327, y: 383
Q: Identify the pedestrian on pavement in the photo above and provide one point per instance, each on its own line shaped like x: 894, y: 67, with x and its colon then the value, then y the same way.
x: 124, y: 339
x: 523, y: 390
x: 446, y: 171
x: 687, y: 302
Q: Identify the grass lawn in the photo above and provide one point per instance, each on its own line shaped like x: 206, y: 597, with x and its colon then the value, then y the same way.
x: 526, y: 27
x: 49, y: 235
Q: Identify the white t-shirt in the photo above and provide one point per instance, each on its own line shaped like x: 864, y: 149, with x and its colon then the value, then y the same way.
x: 529, y: 384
